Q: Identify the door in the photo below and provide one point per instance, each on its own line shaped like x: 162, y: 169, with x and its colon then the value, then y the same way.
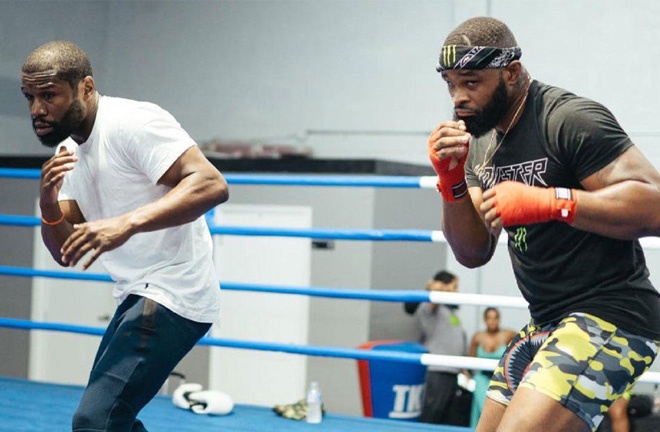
x: 262, y: 377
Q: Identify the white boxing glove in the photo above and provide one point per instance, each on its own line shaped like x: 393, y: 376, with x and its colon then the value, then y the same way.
x: 180, y: 397
x: 211, y: 402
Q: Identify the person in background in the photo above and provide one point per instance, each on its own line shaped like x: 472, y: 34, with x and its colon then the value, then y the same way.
x: 490, y: 344
x: 129, y: 187
x: 441, y: 332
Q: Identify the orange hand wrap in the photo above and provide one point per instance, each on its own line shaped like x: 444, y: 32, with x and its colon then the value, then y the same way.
x: 451, y: 182
x: 519, y: 204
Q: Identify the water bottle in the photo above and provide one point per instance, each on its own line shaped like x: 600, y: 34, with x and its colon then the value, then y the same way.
x: 314, y: 401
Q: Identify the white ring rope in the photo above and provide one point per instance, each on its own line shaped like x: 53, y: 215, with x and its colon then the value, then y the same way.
x: 428, y: 182
x: 646, y: 242
x: 441, y: 297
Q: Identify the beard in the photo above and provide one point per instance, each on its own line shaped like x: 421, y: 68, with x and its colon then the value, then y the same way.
x: 71, y: 122
x: 487, y: 118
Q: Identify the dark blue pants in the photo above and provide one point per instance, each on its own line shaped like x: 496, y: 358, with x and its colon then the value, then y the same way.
x: 141, y: 346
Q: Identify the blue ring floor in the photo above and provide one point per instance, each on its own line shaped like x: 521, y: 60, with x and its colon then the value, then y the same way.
x: 31, y: 406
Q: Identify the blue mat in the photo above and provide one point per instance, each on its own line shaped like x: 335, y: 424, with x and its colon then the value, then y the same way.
x: 29, y: 406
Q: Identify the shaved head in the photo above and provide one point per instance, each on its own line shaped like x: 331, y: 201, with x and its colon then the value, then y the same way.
x: 67, y: 59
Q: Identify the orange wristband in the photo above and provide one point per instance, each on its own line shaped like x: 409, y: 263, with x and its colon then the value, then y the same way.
x: 451, y: 182
x: 57, y: 222
x: 519, y: 204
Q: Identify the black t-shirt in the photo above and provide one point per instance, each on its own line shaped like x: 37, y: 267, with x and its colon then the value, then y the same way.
x: 559, y: 140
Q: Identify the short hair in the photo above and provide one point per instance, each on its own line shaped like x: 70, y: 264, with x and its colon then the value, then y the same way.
x: 482, y: 31
x: 68, y: 60
x: 493, y: 309
x: 444, y: 277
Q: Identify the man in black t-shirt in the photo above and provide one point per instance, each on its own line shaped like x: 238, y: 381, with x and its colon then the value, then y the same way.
x: 573, y: 194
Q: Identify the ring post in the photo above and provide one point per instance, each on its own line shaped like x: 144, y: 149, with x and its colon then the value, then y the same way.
x: 391, y: 389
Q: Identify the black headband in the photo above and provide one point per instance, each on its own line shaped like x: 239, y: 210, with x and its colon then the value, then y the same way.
x: 476, y: 57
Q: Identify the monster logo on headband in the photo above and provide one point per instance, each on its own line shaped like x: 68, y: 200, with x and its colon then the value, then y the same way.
x: 476, y: 57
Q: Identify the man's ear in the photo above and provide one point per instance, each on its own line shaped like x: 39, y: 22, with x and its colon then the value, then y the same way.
x: 88, y: 87
x: 513, y: 72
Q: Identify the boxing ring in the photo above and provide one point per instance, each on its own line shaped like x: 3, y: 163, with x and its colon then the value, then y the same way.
x: 29, y: 406
x: 36, y: 406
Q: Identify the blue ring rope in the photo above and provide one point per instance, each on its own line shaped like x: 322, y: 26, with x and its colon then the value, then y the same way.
x: 20, y: 173
x: 17, y: 220
x: 319, y: 351
x: 277, y: 179
x: 339, y: 293
x: 353, y: 294
x: 324, y: 180
x: 328, y: 234
x: 325, y: 234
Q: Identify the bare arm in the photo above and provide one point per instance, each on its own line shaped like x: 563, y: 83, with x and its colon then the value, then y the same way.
x: 462, y: 225
x: 473, y: 245
x: 197, y: 186
x: 54, y: 236
x: 67, y: 212
x: 622, y: 200
x: 473, y: 345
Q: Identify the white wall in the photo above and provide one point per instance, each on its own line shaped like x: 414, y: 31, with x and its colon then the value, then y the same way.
x: 275, y: 70
x: 24, y: 25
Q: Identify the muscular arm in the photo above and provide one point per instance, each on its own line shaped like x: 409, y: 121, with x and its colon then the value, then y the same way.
x: 462, y: 225
x: 622, y: 200
x: 473, y: 245
x: 197, y: 186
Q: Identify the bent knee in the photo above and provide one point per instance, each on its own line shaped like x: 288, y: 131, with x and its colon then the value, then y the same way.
x: 87, y: 422
x: 101, y: 418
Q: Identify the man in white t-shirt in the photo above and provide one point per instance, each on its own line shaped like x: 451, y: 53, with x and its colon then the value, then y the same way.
x: 128, y: 186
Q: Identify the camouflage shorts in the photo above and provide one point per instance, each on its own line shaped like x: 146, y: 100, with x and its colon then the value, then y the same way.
x: 582, y: 362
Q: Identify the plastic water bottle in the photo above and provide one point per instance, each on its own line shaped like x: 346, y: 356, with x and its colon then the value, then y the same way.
x: 314, y: 401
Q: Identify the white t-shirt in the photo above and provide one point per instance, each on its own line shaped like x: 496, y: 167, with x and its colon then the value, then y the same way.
x: 131, y: 146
